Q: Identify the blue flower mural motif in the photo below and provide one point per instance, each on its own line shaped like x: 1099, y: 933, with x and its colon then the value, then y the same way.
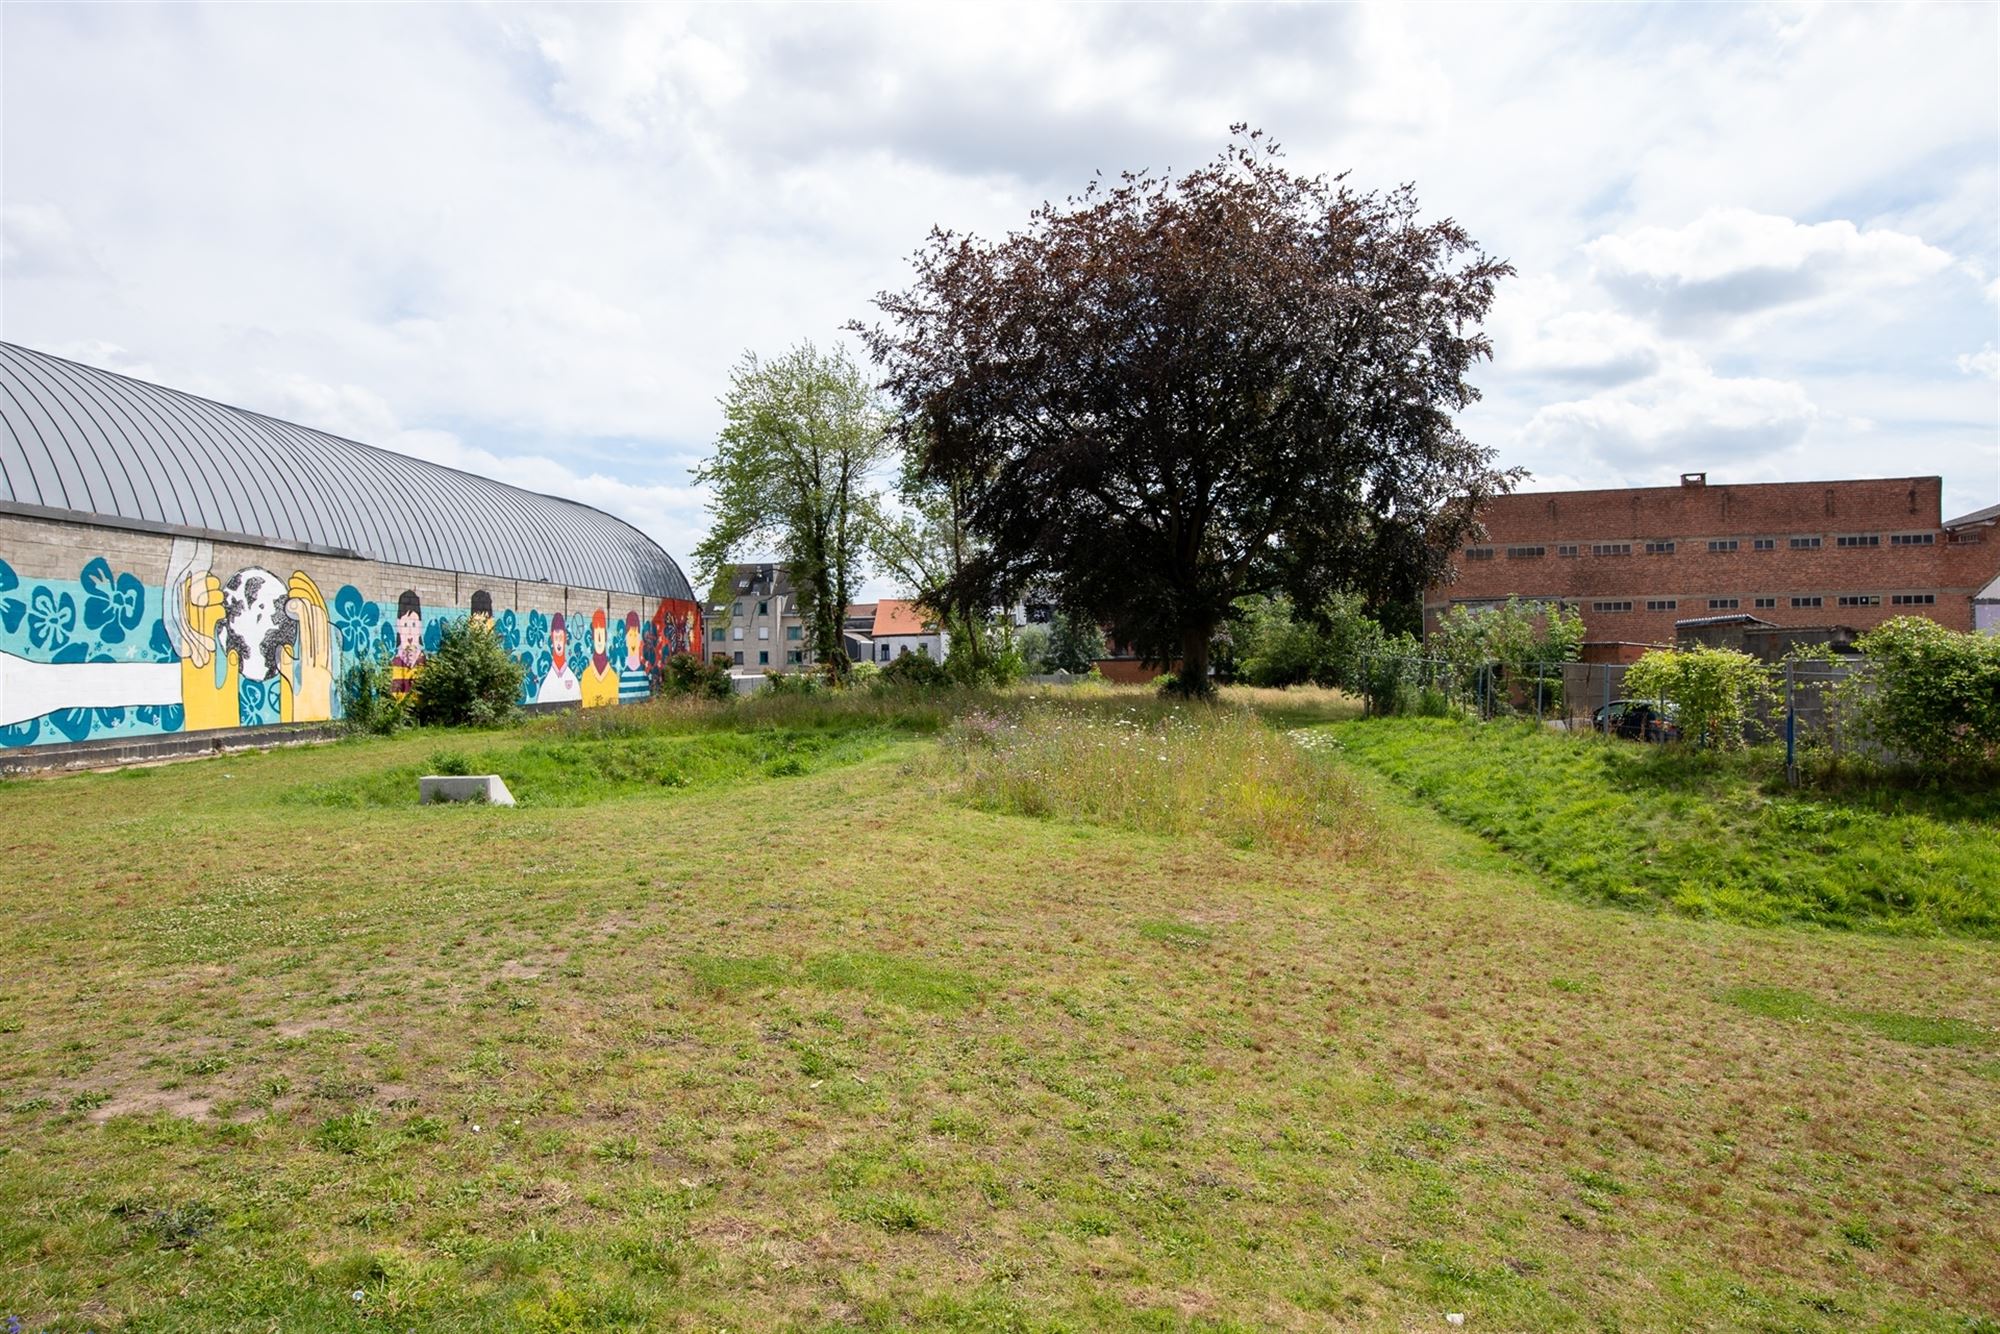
x: 258, y: 702
x: 12, y: 610
x: 507, y: 627
x: 51, y: 618
x: 433, y: 634
x: 616, y: 649
x: 112, y: 606
x: 356, y: 617
x: 77, y: 724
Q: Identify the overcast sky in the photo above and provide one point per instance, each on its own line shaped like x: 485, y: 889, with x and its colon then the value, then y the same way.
x: 1761, y: 242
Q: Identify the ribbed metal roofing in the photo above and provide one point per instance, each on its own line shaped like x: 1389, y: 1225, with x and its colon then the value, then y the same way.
x: 98, y: 445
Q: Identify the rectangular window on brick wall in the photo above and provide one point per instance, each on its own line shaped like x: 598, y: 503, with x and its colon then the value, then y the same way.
x: 1765, y: 604
x: 1805, y: 544
x: 1723, y: 544
x: 1913, y: 600
x: 1860, y: 599
x: 1611, y: 548
x: 1660, y: 548
x: 1764, y: 544
x: 1913, y: 540
x: 1859, y: 540
x: 1722, y: 604
x: 1611, y: 606
x: 1567, y: 549
x: 1479, y: 553
x: 1662, y: 604
x: 1526, y: 553
x: 1805, y: 602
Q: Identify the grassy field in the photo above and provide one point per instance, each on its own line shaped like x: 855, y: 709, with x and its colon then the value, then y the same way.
x: 884, y: 1016
x: 1703, y: 834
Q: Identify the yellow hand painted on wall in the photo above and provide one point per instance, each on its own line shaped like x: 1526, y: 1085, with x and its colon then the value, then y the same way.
x: 306, y: 664
x: 211, y: 677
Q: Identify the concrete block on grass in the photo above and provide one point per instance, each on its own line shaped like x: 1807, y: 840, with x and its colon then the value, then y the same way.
x: 487, y: 788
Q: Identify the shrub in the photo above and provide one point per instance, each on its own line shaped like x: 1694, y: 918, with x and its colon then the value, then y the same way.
x: 685, y: 674
x: 366, y: 702
x: 997, y: 662
x: 1271, y: 647
x: 470, y: 680
x: 1931, y: 696
x: 918, y: 670
x: 1075, y: 643
x: 792, y: 683
x: 1715, y: 691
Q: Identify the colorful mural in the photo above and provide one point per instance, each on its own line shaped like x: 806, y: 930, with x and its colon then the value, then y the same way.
x: 112, y: 654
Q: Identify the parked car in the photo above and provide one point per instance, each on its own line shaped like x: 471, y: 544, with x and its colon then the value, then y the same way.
x: 1636, y: 720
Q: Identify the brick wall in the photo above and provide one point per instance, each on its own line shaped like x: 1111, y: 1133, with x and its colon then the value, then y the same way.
x: 1652, y: 545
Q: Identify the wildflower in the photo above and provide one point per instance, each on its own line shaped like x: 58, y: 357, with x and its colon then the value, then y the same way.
x: 359, y: 1295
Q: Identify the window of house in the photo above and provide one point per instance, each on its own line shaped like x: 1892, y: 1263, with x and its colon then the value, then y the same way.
x: 1722, y: 544
x: 1611, y: 548
x: 1526, y: 553
x: 1860, y: 599
x: 1611, y: 606
x: 1913, y: 600
x: 1479, y: 553
x: 1805, y: 544
x: 1660, y: 548
x: 885, y: 652
x: 1662, y: 604
x: 763, y: 609
x: 739, y: 657
x: 792, y: 631
x: 736, y: 632
x: 1765, y: 604
x: 1722, y: 604
x: 1764, y: 544
x: 1567, y: 549
x: 1858, y: 540
x: 763, y: 632
x: 793, y: 657
x: 764, y: 658
x: 1806, y: 602
x: 1913, y: 539
x: 736, y: 609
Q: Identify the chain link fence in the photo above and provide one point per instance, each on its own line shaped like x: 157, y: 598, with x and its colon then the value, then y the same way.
x: 1808, y: 710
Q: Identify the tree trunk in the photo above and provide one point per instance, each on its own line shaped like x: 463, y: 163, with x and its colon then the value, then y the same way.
x: 1191, y: 681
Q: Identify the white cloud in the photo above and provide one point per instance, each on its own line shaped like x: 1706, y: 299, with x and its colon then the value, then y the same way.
x: 1731, y: 262
x: 1683, y: 415
x: 1986, y: 362
x: 544, y: 234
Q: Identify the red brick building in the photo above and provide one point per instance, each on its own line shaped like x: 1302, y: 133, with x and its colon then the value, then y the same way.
x: 1634, y: 561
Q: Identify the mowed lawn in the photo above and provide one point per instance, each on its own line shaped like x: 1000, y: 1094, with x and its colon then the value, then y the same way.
x: 788, y: 1032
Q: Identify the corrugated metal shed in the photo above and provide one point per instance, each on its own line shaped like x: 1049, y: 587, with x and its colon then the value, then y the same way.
x: 84, y: 443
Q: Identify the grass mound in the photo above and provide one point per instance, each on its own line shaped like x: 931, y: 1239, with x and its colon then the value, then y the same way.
x: 1154, y: 767
x: 1698, y: 834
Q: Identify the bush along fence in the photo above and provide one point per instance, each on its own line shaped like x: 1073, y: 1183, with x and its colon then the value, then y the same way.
x: 1916, y: 698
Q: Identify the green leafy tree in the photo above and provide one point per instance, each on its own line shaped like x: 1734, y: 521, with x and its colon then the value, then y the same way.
x: 801, y: 435
x: 1075, y: 643
x: 469, y: 679
x: 1032, y: 642
x: 1274, y: 647
x: 1930, y: 696
x: 1715, y: 692
x: 1170, y: 393
x: 924, y: 544
x: 1516, y: 635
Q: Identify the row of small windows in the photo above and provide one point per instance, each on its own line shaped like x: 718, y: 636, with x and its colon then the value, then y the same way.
x: 1716, y: 546
x: 1770, y: 604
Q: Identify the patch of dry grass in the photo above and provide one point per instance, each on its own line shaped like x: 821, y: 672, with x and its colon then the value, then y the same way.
x: 843, y: 1051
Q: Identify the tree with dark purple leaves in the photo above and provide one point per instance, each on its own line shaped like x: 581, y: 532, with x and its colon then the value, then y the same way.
x: 1168, y: 393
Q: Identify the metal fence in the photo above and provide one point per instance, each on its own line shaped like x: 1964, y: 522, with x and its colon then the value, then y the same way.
x: 1805, y: 711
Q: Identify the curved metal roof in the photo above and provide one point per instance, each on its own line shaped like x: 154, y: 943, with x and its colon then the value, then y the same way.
x: 99, y: 445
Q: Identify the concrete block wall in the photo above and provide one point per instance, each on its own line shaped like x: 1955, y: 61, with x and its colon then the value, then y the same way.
x: 94, y: 642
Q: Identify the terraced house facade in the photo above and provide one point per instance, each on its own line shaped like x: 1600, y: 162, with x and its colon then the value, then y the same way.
x: 1637, y: 561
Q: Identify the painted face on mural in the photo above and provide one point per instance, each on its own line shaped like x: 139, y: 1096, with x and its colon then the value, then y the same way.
x: 600, y: 641
x: 254, y: 621
x: 633, y: 653
x: 558, y: 641
x: 409, y: 628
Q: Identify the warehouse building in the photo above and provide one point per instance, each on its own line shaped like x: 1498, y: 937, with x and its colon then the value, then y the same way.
x: 171, y: 565
x: 1638, y: 561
